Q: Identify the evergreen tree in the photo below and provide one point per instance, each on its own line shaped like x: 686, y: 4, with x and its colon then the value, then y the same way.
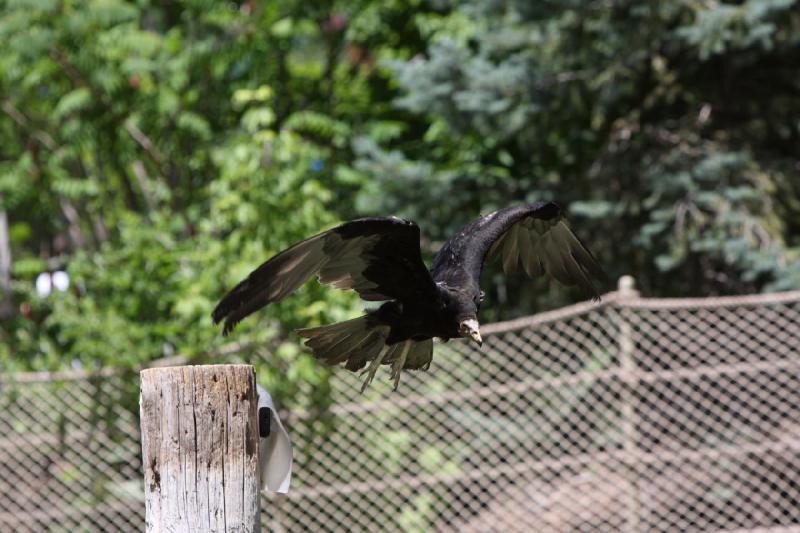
x: 670, y: 130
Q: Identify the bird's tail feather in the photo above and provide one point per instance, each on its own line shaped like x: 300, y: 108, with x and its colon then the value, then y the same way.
x: 362, y: 340
x: 353, y: 342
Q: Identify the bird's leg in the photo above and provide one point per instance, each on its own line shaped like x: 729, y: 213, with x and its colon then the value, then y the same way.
x: 399, y: 363
x: 373, y: 367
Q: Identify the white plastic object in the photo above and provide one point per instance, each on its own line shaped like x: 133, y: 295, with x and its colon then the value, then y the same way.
x: 274, y: 450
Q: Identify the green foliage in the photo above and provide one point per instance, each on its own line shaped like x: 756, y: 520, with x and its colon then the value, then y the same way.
x: 158, y: 152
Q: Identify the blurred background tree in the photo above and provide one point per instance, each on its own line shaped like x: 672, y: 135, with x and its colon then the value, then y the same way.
x: 159, y: 151
x: 669, y: 129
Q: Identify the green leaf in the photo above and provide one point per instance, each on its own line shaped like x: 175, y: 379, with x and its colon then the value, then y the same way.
x: 194, y: 123
x: 72, y: 102
x: 282, y: 28
x: 258, y: 118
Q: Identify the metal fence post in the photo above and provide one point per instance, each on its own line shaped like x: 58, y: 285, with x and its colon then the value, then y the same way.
x: 626, y: 288
x: 200, y: 448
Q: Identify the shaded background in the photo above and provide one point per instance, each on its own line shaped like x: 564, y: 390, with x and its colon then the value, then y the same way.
x: 153, y: 153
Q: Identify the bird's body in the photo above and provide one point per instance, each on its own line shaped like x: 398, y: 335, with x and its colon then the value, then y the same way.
x: 380, y: 259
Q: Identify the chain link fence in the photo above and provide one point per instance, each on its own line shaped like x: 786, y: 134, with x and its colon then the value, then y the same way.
x: 70, y: 453
x: 629, y: 414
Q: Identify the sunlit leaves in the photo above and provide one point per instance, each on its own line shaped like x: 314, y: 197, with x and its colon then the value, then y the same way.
x: 72, y: 101
x: 170, y: 143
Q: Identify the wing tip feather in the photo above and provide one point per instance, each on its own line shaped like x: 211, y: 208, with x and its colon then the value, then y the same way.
x: 556, y: 251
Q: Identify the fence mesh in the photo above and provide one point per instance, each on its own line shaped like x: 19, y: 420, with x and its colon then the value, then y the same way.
x: 626, y: 415
x: 69, y: 453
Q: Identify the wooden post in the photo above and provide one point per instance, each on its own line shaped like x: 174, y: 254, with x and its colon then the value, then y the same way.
x: 627, y: 358
x: 200, y: 448
x: 6, y: 307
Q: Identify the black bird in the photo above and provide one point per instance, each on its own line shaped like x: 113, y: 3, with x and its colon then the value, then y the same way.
x: 380, y: 259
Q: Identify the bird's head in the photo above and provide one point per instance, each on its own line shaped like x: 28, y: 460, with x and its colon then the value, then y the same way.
x: 460, y: 306
x: 470, y: 328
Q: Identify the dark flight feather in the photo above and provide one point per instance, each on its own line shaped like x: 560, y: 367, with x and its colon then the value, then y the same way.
x: 534, y: 237
x: 377, y: 257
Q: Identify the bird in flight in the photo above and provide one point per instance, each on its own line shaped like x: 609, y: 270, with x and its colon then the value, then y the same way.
x: 380, y: 259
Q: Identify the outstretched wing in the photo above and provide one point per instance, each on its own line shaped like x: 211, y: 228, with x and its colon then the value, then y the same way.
x: 377, y: 257
x: 534, y: 237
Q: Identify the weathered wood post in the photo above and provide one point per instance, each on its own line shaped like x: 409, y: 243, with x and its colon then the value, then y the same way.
x: 200, y: 448
x: 628, y: 372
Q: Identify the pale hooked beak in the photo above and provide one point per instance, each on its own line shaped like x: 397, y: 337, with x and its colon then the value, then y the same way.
x: 470, y: 328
